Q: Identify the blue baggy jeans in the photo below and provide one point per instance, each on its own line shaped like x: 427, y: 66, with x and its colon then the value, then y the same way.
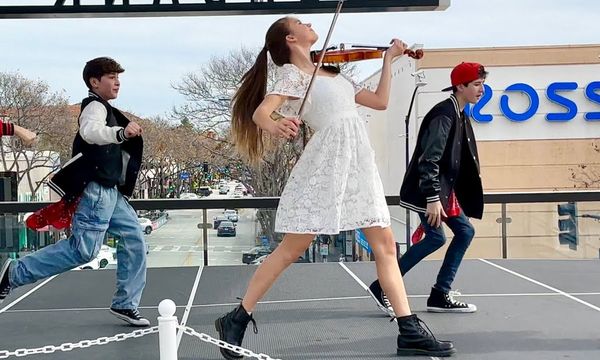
x: 100, y: 210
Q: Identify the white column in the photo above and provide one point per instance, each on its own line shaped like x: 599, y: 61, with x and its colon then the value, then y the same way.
x: 167, y: 330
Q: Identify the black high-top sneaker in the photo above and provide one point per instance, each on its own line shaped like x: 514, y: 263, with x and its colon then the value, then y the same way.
x: 382, y: 301
x: 442, y: 302
x: 415, y: 340
x: 231, y: 328
x: 132, y: 316
x: 4, y: 282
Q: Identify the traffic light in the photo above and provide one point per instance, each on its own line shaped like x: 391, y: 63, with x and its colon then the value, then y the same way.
x: 567, y: 225
x: 205, y: 167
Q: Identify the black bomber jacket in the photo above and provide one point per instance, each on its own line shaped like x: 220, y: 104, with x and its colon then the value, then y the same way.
x: 445, y: 159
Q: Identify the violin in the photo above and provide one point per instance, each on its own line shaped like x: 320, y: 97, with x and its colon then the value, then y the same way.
x: 333, y: 55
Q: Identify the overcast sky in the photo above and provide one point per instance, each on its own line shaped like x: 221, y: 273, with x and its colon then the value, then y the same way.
x: 157, y: 52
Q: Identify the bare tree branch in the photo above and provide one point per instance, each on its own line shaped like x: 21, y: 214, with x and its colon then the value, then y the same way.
x: 208, y: 93
x: 585, y: 177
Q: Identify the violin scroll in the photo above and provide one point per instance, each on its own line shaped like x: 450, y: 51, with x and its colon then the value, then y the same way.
x: 415, y: 54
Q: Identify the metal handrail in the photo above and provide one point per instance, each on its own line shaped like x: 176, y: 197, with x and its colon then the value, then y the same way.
x: 272, y: 202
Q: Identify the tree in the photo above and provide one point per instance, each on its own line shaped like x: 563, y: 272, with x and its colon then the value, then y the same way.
x: 31, y: 104
x: 169, y: 149
x: 208, y: 93
x: 584, y: 176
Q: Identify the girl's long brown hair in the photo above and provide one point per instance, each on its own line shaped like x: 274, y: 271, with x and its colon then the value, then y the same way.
x: 247, y: 136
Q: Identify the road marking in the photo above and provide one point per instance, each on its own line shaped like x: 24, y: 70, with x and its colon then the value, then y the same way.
x: 26, y: 294
x: 358, y: 280
x: 366, y: 288
x: 306, y: 300
x: 542, y: 284
x: 188, y: 307
x: 198, y: 248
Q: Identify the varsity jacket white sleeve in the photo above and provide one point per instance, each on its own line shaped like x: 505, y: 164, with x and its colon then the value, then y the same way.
x: 93, y: 129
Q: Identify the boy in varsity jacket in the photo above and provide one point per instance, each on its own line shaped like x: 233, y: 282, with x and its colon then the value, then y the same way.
x: 107, y: 153
x: 444, y: 166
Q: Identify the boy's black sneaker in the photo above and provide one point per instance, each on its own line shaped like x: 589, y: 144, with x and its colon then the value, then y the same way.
x: 442, y: 302
x: 382, y: 301
x: 131, y: 316
x: 4, y: 282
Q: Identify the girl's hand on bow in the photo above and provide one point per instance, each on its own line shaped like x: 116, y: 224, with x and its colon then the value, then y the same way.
x: 287, y: 127
x: 397, y: 49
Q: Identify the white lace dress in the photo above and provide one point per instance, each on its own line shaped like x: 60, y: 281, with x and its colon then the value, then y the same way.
x: 335, y: 184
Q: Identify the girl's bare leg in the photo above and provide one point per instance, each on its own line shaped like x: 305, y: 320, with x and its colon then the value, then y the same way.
x: 383, y: 245
x: 291, y: 248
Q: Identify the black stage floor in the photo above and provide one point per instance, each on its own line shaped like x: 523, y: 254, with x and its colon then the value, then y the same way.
x: 527, y: 309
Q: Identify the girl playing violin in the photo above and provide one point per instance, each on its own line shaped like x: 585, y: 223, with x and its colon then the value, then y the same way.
x: 334, y: 186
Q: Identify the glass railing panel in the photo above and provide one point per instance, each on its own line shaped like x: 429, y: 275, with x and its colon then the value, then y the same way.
x: 177, y: 237
x: 230, y: 233
x: 534, y: 231
x: 17, y: 241
x: 488, y: 237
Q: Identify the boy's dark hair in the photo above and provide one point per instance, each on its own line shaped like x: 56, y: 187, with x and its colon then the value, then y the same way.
x: 98, y: 67
x: 482, y: 75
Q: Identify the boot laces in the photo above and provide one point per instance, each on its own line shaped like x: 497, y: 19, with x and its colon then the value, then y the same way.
x: 424, y: 330
x: 254, y: 327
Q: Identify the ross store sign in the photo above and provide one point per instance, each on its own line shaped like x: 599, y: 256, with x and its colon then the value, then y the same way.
x: 557, y: 93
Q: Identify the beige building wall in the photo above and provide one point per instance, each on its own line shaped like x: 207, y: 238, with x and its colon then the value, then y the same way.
x: 539, y: 165
x: 512, y: 56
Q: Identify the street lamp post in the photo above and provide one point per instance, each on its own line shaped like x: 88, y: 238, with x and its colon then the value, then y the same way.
x: 419, y: 82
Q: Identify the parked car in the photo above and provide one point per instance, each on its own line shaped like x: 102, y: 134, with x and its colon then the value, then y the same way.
x: 146, y: 225
x: 232, y: 215
x: 92, y: 265
x: 237, y: 193
x: 254, y: 253
x: 223, y: 189
x: 217, y: 220
x: 241, y: 188
x: 188, y: 196
x: 107, y: 256
x: 258, y: 260
x: 204, y: 190
x: 226, y: 228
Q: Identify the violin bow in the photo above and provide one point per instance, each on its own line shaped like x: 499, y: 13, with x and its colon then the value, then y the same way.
x: 338, y: 10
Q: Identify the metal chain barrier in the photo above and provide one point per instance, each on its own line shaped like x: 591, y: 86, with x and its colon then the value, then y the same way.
x: 49, y: 349
x: 222, y: 344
